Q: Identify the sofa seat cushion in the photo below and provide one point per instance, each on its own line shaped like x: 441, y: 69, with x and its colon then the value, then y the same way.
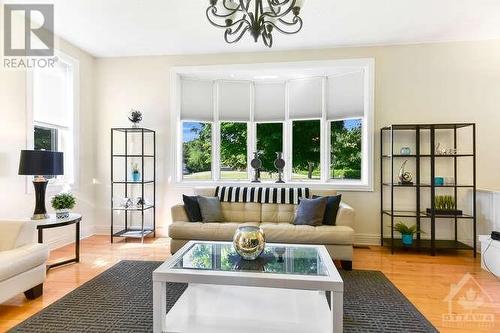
x: 205, y: 231
x: 22, y: 259
x: 306, y: 234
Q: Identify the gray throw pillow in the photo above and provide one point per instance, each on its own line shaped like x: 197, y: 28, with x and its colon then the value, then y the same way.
x: 310, y: 211
x: 211, y: 209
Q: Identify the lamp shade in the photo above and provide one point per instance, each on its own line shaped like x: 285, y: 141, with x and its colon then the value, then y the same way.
x: 41, y: 163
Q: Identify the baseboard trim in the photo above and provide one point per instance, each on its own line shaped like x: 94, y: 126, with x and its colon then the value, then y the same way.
x: 366, y: 239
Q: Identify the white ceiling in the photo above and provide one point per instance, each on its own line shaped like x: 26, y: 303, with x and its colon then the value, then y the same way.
x: 107, y: 28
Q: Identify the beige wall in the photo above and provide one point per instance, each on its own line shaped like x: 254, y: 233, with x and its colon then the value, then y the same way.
x: 444, y: 82
x: 15, y: 202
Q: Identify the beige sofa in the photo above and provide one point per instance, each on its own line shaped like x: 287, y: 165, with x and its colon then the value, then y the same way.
x: 276, y: 221
x: 22, y: 260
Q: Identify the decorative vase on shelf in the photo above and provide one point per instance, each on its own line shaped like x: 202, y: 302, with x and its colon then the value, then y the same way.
x: 256, y: 164
x: 249, y: 242
x: 279, y: 164
x: 405, y: 177
x: 136, y: 176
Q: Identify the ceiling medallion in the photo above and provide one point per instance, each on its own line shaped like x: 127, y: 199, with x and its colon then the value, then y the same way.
x: 259, y: 17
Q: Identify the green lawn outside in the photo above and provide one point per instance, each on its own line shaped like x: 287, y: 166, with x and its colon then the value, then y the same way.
x: 242, y: 175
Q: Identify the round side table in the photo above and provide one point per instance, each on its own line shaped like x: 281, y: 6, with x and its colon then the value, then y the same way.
x: 53, y: 222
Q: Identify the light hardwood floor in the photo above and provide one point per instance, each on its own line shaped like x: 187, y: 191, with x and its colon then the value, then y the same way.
x: 423, y: 279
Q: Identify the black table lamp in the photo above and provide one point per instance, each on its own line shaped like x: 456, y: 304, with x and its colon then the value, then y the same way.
x: 40, y: 163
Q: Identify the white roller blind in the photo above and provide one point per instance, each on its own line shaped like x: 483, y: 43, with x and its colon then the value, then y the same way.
x: 53, y: 95
x: 305, y: 97
x: 269, y: 102
x: 346, y: 96
x: 196, y: 100
x: 234, y: 100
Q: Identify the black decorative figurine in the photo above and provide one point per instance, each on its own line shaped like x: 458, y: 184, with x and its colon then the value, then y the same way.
x: 256, y: 164
x: 279, y: 164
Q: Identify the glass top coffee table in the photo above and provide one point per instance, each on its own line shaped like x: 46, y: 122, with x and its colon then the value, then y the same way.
x: 289, y: 288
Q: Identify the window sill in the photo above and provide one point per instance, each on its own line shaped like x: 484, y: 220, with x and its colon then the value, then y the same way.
x: 340, y: 186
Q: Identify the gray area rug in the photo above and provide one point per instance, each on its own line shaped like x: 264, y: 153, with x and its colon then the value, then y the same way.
x: 120, y: 300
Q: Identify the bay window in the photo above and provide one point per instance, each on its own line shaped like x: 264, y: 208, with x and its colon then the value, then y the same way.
x: 320, y: 123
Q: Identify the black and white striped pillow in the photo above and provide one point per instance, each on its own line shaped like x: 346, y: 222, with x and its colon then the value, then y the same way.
x: 275, y: 195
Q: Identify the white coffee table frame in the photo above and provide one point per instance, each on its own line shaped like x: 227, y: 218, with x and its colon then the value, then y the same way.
x: 331, y: 284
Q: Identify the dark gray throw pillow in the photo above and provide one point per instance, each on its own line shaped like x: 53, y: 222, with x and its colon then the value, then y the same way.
x: 310, y: 212
x: 192, y: 208
x: 211, y: 209
x: 332, y: 208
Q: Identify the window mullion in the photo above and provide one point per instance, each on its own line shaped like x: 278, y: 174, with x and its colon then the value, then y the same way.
x: 324, y: 146
x: 216, y: 135
x: 287, y: 137
x: 251, y: 131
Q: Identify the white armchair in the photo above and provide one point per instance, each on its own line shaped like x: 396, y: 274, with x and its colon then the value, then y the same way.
x: 22, y: 260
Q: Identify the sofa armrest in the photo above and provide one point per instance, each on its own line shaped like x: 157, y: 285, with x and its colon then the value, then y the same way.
x: 16, y: 233
x: 179, y: 214
x: 345, y: 215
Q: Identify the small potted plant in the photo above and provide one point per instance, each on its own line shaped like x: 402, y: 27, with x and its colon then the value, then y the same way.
x: 406, y: 232
x: 444, y: 205
x: 135, y: 117
x: 136, y: 174
x: 62, y: 203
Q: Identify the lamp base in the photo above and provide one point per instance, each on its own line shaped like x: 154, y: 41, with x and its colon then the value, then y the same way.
x: 40, y: 216
x: 40, y: 184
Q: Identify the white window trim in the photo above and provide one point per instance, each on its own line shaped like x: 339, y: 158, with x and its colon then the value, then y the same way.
x: 56, y: 186
x: 368, y: 135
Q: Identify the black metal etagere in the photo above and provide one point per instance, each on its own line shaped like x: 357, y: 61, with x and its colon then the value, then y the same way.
x: 128, y: 230
x: 418, y: 214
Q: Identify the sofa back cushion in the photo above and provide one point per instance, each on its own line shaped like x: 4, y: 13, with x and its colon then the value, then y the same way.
x: 256, y: 212
x: 278, y: 213
x: 241, y: 211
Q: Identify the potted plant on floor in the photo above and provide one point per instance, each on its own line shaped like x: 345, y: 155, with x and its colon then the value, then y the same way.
x: 406, y: 232
x: 62, y: 203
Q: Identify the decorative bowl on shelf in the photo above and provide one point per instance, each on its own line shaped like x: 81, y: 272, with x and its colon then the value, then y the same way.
x: 249, y: 242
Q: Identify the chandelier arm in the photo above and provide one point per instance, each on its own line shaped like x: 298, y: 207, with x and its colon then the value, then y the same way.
x: 235, y: 31
x: 277, y: 14
x: 213, y: 11
x: 227, y: 33
x: 242, y: 5
x: 297, y: 20
x: 278, y: 3
x: 212, y: 22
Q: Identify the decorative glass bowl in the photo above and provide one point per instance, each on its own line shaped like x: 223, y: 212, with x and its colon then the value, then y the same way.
x: 249, y: 242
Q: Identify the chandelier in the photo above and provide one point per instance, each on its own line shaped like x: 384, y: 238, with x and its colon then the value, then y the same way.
x: 259, y: 17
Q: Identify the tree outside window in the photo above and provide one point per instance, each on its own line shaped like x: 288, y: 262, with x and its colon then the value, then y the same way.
x: 233, y: 150
x: 197, y: 150
x: 345, y: 152
x: 269, y: 141
x: 306, y: 149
